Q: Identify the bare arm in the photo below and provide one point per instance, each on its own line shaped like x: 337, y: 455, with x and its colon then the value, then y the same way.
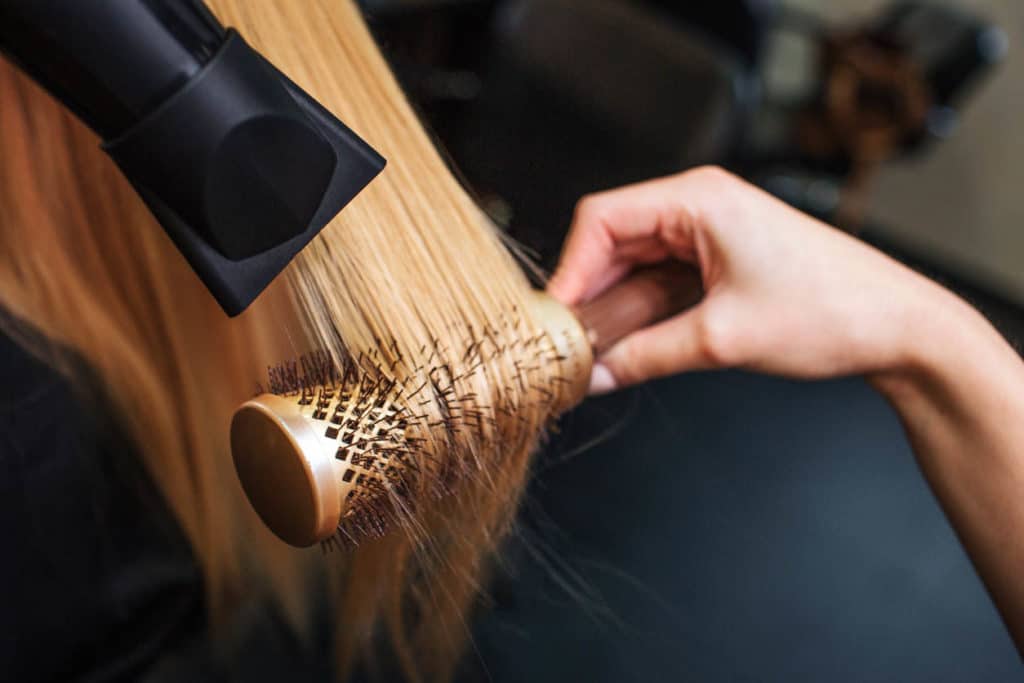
x: 960, y: 396
x: 789, y: 295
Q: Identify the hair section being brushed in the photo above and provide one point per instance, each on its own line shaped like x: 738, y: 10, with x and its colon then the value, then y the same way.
x: 410, y: 280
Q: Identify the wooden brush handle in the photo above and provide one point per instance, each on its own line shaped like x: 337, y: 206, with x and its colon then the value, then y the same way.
x: 648, y: 296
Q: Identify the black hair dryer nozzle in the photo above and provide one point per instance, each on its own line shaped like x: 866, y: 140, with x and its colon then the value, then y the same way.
x: 240, y: 166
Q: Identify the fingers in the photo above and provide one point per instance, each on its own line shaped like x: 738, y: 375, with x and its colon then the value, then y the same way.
x: 611, y: 232
x: 685, y: 342
x: 669, y: 218
x: 637, y: 224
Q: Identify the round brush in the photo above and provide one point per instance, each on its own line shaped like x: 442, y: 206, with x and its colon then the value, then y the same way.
x: 325, y: 451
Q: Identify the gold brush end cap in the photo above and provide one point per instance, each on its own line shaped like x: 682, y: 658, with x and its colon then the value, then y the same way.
x: 286, y: 469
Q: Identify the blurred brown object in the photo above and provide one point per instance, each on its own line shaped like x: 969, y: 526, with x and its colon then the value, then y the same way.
x: 875, y: 98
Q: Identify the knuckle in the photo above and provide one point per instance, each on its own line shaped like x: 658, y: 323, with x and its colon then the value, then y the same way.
x: 660, y: 366
x: 710, y: 173
x: 590, y: 207
x: 717, y: 342
x: 625, y: 364
x: 712, y: 178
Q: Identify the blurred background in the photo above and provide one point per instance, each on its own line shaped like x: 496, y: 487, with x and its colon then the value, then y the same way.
x: 723, y: 526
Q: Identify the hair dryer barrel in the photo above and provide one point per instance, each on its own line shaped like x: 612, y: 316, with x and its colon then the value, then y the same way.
x: 240, y: 166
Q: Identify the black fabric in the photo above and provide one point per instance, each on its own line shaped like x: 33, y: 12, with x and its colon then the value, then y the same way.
x: 99, y: 580
x: 724, y: 527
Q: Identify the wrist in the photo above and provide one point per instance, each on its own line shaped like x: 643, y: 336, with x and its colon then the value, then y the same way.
x: 942, y: 339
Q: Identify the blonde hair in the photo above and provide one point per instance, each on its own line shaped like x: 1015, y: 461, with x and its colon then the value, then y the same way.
x: 410, y: 274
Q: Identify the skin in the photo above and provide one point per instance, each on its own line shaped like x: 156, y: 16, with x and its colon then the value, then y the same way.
x: 788, y: 295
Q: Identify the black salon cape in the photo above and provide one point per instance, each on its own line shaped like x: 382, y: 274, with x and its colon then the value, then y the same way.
x: 98, y: 580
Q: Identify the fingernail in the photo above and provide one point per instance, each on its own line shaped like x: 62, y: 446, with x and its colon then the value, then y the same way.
x: 602, y: 381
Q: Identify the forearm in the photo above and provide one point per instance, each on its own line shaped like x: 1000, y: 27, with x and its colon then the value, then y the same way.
x: 960, y: 395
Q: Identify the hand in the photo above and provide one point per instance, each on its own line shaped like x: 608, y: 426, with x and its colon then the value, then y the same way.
x: 783, y: 292
x: 786, y: 294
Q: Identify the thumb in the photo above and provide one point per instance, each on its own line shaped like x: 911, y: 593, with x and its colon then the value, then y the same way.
x: 675, y: 345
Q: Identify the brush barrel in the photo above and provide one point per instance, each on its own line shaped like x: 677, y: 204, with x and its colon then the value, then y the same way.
x: 290, y: 467
x: 300, y: 479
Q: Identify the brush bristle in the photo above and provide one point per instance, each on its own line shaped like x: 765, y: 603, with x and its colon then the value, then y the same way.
x: 401, y: 432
